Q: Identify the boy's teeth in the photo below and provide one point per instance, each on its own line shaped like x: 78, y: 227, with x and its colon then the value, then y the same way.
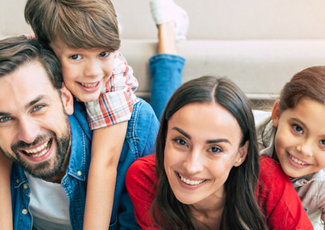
x: 89, y: 85
x: 296, y: 160
x: 190, y: 182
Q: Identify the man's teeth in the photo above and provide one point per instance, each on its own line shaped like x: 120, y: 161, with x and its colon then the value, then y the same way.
x: 89, y: 85
x: 296, y: 160
x: 190, y: 182
x: 43, y: 148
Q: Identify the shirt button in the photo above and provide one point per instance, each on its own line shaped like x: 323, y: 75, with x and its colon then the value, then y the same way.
x: 24, y: 211
x: 25, y: 186
x: 79, y: 173
x: 17, y: 181
x: 304, y: 182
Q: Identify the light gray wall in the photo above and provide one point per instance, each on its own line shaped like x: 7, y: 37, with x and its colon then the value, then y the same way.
x: 209, y: 19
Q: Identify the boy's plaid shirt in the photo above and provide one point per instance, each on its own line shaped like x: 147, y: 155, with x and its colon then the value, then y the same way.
x: 115, y: 103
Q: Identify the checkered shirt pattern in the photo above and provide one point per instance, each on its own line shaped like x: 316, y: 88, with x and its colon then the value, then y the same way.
x: 115, y: 104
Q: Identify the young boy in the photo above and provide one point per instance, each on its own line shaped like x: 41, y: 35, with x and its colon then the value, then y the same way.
x: 84, y: 36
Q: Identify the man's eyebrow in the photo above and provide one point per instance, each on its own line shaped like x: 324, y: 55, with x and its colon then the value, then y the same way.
x: 33, y: 102
x: 182, y: 132
x: 4, y: 114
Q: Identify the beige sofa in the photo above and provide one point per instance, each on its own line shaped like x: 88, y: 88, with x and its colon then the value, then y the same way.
x: 258, y: 44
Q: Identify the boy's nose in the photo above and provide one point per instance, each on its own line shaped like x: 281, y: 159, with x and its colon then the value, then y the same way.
x: 92, y: 69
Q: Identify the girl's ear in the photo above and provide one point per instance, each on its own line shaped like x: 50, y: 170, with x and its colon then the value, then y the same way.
x: 242, y: 153
x: 276, y: 114
x: 67, y: 100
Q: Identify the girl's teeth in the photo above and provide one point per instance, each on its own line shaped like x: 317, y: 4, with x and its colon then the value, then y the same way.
x: 190, y: 182
x: 296, y: 160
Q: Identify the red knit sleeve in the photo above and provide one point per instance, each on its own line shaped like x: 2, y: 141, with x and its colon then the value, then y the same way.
x: 278, y: 199
x: 141, y: 183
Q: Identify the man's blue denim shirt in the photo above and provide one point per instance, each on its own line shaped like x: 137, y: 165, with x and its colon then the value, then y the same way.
x: 140, y: 138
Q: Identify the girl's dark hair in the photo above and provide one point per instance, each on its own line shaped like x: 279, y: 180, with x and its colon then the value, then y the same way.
x: 241, y: 210
x: 309, y: 82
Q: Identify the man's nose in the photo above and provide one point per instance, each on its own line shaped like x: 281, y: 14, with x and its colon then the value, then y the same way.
x: 28, y: 130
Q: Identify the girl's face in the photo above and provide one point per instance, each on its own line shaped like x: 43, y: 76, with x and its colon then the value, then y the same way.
x: 202, y: 146
x: 300, y: 137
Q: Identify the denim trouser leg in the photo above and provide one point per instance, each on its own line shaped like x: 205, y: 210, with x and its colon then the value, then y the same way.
x: 166, y: 72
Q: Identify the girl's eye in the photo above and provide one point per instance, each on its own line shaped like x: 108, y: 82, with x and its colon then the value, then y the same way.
x: 322, y: 142
x: 215, y: 149
x: 180, y: 141
x: 76, y: 57
x: 104, y: 54
x: 37, y: 107
x: 4, y: 119
x: 297, y: 128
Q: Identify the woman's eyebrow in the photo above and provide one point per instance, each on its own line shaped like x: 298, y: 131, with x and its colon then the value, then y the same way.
x: 182, y: 132
x: 218, y: 141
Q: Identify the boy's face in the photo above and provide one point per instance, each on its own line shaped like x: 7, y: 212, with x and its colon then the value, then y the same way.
x: 85, y: 71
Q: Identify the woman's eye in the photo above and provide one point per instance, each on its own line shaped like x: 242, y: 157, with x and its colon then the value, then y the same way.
x: 215, y: 149
x: 37, y: 107
x: 322, y: 142
x: 4, y: 119
x: 297, y: 128
x: 104, y: 54
x: 76, y: 57
x: 180, y: 141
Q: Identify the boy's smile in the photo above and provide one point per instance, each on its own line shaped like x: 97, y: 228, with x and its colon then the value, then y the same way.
x: 300, y: 137
x: 85, y: 71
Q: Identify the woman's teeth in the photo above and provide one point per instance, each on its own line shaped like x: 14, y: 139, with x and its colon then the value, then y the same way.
x: 190, y: 182
x: 296, y: 160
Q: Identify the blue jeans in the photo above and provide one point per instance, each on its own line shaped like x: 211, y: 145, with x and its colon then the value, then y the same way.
x: 166, y: 72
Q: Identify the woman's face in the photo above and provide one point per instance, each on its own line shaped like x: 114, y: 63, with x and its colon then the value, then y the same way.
x: 202, y: 146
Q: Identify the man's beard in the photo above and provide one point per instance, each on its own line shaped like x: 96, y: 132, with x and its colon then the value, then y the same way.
x: 49, y: 168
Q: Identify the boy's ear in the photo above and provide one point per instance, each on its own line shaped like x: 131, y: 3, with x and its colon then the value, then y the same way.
x: 67, y: 100
x: 276, y: 114
x: 242, y: 154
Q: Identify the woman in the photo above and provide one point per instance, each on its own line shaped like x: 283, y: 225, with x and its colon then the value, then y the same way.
x: 205, y: 174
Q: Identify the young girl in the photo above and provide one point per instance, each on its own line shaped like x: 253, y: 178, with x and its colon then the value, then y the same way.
x: 294, y: 135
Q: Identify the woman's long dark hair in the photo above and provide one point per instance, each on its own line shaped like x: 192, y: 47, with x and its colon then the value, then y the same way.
x: 241, y: 210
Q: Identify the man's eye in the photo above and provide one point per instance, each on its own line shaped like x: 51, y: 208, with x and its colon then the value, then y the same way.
x: 76, y: 57
x: 297, y: 128
x: 37, y: 108
x: 322, y: 142
x: 4, y: 119
x: 104, y: 54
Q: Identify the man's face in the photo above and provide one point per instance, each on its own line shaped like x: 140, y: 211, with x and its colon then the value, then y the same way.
x: 34, y: 127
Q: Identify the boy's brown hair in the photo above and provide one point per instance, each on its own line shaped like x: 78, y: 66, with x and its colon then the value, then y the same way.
x: 77, y: 23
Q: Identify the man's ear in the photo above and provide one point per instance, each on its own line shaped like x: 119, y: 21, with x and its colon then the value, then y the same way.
x: 242, y: 154
x: 276, y: 114
x: 67, y: 100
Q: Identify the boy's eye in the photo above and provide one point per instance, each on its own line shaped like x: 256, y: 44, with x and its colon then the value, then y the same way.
x: 4, y: 119
x: 37, y: 107
x: 322, y: 142
x: 104, y: 54
x: 215, y: 149
x: 76, y: 57
x: 180, y: 141
x: 297, y: 128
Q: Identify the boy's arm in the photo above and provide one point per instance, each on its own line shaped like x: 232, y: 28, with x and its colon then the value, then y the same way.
x: 5, y: 193
x: 106, y: 149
